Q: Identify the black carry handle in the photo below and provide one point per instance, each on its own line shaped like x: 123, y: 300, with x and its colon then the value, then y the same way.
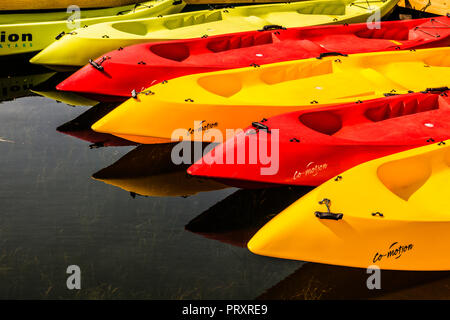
x: 220, y: 6
x: 331, y: 54
x: 260, y: 126
x: 59, y: 36
x: 329, y: 215
x: 272, y: 27
x: 439, y: 89
x: 95, y: 65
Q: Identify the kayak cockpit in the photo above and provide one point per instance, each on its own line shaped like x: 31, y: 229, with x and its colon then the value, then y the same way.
x: 418, y: 178
x: 398, y: 121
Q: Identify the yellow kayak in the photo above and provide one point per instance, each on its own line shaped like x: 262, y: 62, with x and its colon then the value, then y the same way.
x: 391, y: 212
x: 148, y: 171
x: 233, y: 99
x: 441, y: 7
x: 90, y: 43
x: 13, y: 5
x: 32, y: 32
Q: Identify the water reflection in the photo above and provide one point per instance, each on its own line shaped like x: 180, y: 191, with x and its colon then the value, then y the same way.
x: 80, y: 128
x: 237, y: 218
x: 53, y: 215
x: 318, y: 281
x: 148, y: 170
x: 48, y: 89
x: 13, y: 86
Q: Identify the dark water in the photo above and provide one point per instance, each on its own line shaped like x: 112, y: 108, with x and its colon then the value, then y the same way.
x: 137, y: 226
x: 54, y: 214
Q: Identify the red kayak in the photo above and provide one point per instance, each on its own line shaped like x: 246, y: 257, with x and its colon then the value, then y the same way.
x: 115, y: 76
x: 310, y: 147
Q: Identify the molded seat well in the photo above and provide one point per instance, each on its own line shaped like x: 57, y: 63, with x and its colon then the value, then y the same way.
x: 384, y: 33
x: 325, y: 122
x: 404, y: 177
x: 136, y: 28
x: 176, y: 51
x: 193, y: 20
x: 333, y: 9
x: 402, y: 108
x: 297, y: 71
x: 230, y: 43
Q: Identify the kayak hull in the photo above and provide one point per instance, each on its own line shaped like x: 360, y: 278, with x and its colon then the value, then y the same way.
x: 213, y: 107
x: 312, y: 147
x: 140, y: 66
x: 26, y: 35
x: 61, y: 4
x: 381, y: 225
x: 91, y: 43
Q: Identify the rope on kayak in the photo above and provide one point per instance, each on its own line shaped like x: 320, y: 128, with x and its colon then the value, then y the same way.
x: 294, y: 140
x: 424, y: 9
x: 366, y: 2
x: 430, y: 34
x: 433, y: 20
x: 442, y: 143
x: 328, y: 215
x: 430, y: 140
x: 338, y: 178
x: 137, y: 5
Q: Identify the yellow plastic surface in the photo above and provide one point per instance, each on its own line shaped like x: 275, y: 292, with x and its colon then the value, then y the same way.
x: 410, y: 190
x: 31, y: 32
x: 233, y: 99
x: 90, y: 43
x: 60, y: 4
x: 441, y: 7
